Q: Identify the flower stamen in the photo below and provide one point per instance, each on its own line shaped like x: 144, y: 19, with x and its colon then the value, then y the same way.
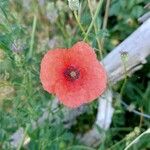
x: 71, y: 73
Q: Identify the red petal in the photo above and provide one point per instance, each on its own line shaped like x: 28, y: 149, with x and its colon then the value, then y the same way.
x: 51, y: 66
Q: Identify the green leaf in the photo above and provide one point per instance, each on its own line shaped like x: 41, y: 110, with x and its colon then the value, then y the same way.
x: 137, y: 11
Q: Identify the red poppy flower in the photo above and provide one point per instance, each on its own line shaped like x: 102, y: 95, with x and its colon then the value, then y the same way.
x: 74, y: 75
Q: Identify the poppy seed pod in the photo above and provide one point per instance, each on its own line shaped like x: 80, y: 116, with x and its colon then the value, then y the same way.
x: 74, y: 75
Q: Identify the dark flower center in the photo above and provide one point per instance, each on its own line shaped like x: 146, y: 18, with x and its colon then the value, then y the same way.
x: 71, y: 73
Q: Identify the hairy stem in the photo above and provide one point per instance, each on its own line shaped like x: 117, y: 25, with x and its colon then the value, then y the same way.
x: 96, y: 30
x: 32, y: 36
x: 105, y: 21
x: 78, y: 21
x: 94, y: 18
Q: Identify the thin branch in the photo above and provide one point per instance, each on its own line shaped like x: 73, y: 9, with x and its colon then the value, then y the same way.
x: 94, y: 18
x: 135, y: 111
x: 78, y: 21
x: 105, y: 21
x: 32, y: 37
x: 106, y: 14
x: 96, y: 30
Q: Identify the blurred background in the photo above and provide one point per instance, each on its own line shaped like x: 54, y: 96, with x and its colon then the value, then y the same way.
x: 29, y: 28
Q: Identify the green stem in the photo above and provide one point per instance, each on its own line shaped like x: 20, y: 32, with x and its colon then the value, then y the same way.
x: 125, y: 80
x: 78, y: 21
x: 93, y: 20
x: 106, y: 14
x: 80, y: 147
x: 32, y: 37
x: 118, y: 143
x: 123, y: 86
x: 96, y: 30
x: 105, y: 20
x: 62, y: 30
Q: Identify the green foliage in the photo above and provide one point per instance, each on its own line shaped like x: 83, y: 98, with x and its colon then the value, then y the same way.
x: 27, y: 30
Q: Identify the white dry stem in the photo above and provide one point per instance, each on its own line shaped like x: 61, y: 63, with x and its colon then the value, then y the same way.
x: 16, y: 137
x: 144, y: 17
x: 137, y: 48
x: 105, y: 110
x: 103, y: 120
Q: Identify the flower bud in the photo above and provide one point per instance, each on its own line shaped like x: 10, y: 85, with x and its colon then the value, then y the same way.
x: 124, y: 56
x: 73, y: 4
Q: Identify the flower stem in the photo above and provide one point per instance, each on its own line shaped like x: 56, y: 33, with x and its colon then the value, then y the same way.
x: 32, y: 37
x: 80, y: 147
x: 123, y: 86
x: 78, y: 21
x: 93, y: 20
x: 96, y: 30
x: 59, y: 25
x: 126, y: 76
x: 147, y: 116
x: 106, y: 14
x: 105, y: 19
